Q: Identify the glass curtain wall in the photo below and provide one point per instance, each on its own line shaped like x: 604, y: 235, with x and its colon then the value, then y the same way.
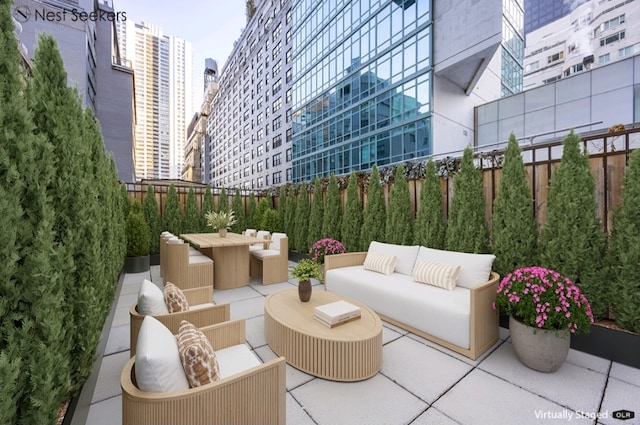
x: 362, y: 84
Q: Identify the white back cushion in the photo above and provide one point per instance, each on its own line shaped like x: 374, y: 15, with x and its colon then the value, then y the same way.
x: 151, y: 299
x: 474, y: 268
x: 174, y: 240
x: 275, y: 241
x: 158, y: 366
x: 406, y: 255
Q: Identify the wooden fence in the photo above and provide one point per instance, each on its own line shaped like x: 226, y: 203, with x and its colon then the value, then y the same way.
x: 608, y: 155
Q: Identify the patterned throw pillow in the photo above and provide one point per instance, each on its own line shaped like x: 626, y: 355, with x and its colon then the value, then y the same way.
x: 197, y: 356
x: 174, y: 298
x: 380, y: 263
x: 436, y: 274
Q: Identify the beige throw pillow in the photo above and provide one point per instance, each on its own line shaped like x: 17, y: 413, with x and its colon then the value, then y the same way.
x: 174, y: 298
x: 197, y: 356
x: 380, y: 263
x: 437, y: 274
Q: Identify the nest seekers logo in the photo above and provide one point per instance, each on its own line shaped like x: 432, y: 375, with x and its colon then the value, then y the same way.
x: 23, y: 14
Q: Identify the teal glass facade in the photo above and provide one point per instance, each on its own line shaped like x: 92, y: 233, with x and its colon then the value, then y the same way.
x: 362, y: 86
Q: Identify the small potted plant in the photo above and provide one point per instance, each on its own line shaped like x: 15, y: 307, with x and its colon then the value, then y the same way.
x: 304, y: 271
x: 326, y: 246
x: 220, y: 221
x: 544, y: 309
x: 138, y: 240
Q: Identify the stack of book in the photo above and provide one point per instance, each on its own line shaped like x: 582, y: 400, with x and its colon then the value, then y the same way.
x: 336, y: 313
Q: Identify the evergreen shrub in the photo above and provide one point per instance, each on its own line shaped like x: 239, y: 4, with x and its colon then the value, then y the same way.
x: 137, y: 231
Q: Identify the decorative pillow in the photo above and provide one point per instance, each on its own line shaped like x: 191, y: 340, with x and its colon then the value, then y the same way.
x: 197, y: 356
x: 474, y: 268
x: 380, y: 263
x: 151, y: 299
x: 158, y: 367
x: 437, y: 274
x: 174, y: 298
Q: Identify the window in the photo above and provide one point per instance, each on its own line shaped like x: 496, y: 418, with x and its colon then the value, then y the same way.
x: 277, y: 86
x: 260, y: 181
x: 288, y: 75
x: 612, y: 38
x: 610, y: 24
x: 276, y: 123
x: 260, y: 150
x: 260, y: 134
x: 277, y: 68
x: 288, y: 96
x: 288, y: 57
x: 289, y: 135
x: 277, y: 104
x: 260, y: 166
x: 277, y: 177
x: 277, y: 141
x: 604, y: 58
x: 556, y: 57
x: 288, y: 115
x: 289, y: 174
x: 276, y: 159
x: 552, y: 79
x: 277, y: 31
x: 625, y: 51
x: 288, y: 16
x: 259, y: 103
x: 246, y: 172
x: 260, y: 118
x: 288, y: 37
x: 577, y: 68
x: 289, y: 155
x: 276, y: 50
x: 532, y: 66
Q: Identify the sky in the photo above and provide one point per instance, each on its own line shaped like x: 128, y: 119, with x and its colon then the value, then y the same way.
x: 210, y: 25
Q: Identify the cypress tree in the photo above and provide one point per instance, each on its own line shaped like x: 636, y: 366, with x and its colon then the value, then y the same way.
x: 251, y: 212
x: 515, y: 232
x: 238, y: 209
x: 124, y: 202
x: 282, y: 207
x: 207, y: 206
x: 572, y: 242
x: 332, y: 218
x: 191, y: 222
x: 625, y: 250
x: 151, y: 215
x: 400, y: 215
x: 270, y: 220
x: 263, y: 206
x: 317, y: 213
x: 223, y: 201
x: 172, y: 217
x: 467, y: 228
x: 291, y: 217
x: 301, y: 227
x: 374, y: 226
x: 352, y: 223
x: 430, y: 228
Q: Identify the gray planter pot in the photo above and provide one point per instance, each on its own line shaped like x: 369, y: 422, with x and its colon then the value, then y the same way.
x: 136, y: 264
x: 539, y: 349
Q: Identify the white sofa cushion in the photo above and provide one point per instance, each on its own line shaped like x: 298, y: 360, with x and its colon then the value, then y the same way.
x: 436, y: 274
x: 380, y: 263
x: 235, y: 359
x: 474, y: 268
x: 406, y: 255
x: 260, y: 253
x: 158, y: 366
x: 151, y: 299
x: 443, y: 314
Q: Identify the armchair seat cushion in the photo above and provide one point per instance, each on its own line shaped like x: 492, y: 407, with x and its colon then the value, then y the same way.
x: 235, y: 359
x: 199, y: 259
x: 265, y: 252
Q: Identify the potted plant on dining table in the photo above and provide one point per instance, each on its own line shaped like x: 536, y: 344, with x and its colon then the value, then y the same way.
x: 545, y: 309
x: 220, y: 221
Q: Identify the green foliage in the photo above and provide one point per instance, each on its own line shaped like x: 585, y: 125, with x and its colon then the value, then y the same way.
x: 207, y: 206
x: 125, y: 203
x: 172, y: 217
x: 238, y: 209
x: 374, y: 226
x: 625, y: 250
x: 191, y: 222
x: 515, y: 232
x: 263, y: 206
x: 138, y: 239
x: 290, y: 219
x: 572, y: 242
x: 270, y: 221
x: 251, y: 211
x: 400, y: 216
x: 223, y: 201
x: 332, y: 218
x: 317, y: 213
x: 282, y: 208
x: 301, y: 227
x: 430, y: 228
x: 467, y: 227
x: 152, y: 217
x: 306, y: 269
x: 352, y: 223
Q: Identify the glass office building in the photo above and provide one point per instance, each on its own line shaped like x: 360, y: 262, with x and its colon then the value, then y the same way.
x: 362, y: 84
x: 542, y: 12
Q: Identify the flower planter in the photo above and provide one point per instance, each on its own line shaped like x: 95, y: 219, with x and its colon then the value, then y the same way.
x: 539, y: 349
x: 136, y: 264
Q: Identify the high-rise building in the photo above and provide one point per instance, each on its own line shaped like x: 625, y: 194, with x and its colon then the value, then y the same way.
x: 538, y: 13
x: 380, y: 82
x: 249, y: 126
x: 164, y: 97
x: 87, y: 40
x: 593, y: 34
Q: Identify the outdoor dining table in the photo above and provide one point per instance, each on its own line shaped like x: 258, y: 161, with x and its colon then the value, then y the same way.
x: 230, y: 256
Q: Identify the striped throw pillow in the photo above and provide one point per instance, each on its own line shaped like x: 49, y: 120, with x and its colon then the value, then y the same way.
x: 380, y: 263
x: 197, y: 356
x: 437, y: 274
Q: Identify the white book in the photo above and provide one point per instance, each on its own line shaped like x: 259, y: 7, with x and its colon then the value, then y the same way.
x: 337, y: 311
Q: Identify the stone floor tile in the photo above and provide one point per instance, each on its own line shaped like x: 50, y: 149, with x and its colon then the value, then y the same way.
x: 374, y: 401
x: 295, y: 377
x: 452, y: 353
x: 433, y: 416
x: 626, y: 374
x: 483, y: 399
x: 221, y: 296
x: 296, y: 415
x: 503, y: 333
x: 620, y: 395
x: 270, y: 289
x: 571, y: 386
x: 130, y: 288
x: 108, y: 384
x: 119, y: 340
x: 255, y: 332
x: 389, y: 335
x: 136, y: 277
x: 248, y: 308
x: 106, y: 411
x: 425, y: 372
x: 126, y: 300
x: 589, y: 361
x: 394, y: 328
x: 121, y: 316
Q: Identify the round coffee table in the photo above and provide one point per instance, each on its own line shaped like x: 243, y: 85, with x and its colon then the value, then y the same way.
x: 348, y: 352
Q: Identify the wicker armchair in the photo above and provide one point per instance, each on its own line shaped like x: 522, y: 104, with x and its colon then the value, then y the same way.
x: 201, y: 313
x: 253, y: 396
